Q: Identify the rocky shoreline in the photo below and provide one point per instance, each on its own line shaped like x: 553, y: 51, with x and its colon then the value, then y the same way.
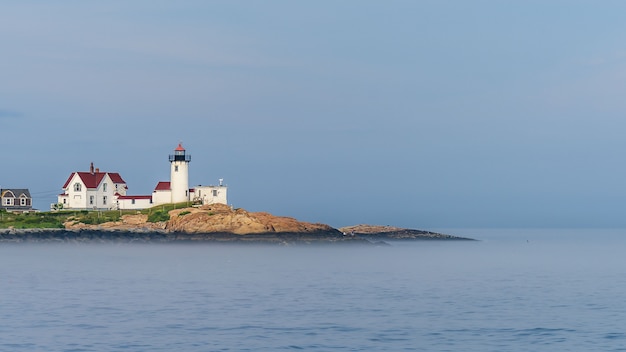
x: 163, y: 236
x: 373, y: 232
x: 152, y: 236
x: 216, y: 223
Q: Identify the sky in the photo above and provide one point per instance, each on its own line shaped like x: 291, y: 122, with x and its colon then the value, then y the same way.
x: 420, y: 114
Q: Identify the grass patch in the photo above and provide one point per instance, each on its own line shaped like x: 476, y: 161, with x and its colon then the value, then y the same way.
x: 158, y: 216
x: 166, y: 207
x: 30, y: 220
x: 55, y: 219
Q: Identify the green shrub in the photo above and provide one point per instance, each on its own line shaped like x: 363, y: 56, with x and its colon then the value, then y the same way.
x: 183, y: 213
x: 158, y: 216
x: 87, y: 221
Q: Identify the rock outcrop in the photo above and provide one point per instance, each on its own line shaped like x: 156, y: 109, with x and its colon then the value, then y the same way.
x: 397, y: 233
x: 215, y: 218
x: 221, y: 218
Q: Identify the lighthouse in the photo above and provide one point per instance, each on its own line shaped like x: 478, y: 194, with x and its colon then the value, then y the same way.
x: 179, y: 175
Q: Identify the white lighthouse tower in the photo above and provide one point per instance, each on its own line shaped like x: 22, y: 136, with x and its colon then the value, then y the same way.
x: 179, y: 175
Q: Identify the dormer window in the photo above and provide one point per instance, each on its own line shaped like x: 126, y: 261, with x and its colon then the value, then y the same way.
x: 77, y: 187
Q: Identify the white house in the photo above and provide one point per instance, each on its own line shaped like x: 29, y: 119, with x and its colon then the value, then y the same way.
x: 107, y: 190
x: 92, y: 190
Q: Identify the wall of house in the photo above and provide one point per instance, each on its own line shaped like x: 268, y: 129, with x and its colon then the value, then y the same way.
x: 62, y: 199
x: 126, y: 204
x: 105, y: 194
x: 120, y: 188
x: 161, y: 197
x: 210, y: 194
x: 76, y: 199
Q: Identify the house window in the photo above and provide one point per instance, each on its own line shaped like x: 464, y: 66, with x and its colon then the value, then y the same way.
x: 23, y: 201
x: 90, y: 200
x: 104, y: 187
x: 175, y: 168
x: 77, y: 187
x: 214, y: 193
x: 132, y: 201
x: 104, y: 200
x: 64, y: 201
x: 8, y: 201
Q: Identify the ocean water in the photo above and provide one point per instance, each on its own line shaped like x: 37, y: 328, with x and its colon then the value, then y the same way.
x: 515, y: 290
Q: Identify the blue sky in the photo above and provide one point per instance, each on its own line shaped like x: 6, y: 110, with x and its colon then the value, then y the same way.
x: 423, y: 114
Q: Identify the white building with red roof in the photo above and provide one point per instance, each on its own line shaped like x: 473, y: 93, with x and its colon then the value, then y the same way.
x: 107, y: 190
x: 177, y: 189
x: 162, y: 193
x: 92, y: 190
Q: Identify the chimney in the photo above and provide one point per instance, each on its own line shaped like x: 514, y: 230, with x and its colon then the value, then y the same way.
x: 91, y: 168
x: 97, y: 169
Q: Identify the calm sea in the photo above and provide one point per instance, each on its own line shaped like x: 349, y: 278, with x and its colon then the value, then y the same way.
x: 515, y: 290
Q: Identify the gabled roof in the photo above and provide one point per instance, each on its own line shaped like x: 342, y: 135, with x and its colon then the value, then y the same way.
x: 116, y: 178
x: 163, y: 186
x: 92, y: 180
x: 16, y: 192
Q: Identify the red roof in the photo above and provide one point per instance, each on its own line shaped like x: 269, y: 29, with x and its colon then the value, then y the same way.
x: 180, y: 148
x: 134, y: 197
x: 163, y: 186
x: 116, y: 178
x: 68, y: 180
x: 93, y: 180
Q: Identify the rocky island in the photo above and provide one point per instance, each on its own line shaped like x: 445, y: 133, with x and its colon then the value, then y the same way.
x: 214, y: 223
x: 395, y: 233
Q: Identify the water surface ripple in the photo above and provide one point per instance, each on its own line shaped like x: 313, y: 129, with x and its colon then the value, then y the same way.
x: 514, y: 290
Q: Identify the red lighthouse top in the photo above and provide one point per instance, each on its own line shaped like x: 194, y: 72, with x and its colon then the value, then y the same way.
x: 180, y: 154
